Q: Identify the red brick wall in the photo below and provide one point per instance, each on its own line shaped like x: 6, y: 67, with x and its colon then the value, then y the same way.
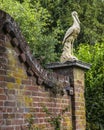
x: 20, y: 92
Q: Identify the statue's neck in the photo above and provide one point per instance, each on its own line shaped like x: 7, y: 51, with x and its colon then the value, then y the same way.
x: 75, y: 21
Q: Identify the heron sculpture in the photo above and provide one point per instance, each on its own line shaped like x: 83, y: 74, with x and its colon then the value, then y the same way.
x: 70, y: 36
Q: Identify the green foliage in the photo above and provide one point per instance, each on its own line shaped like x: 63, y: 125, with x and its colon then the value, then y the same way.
x: 32, y: 20
x: 31, y: 124
x: 91, y: 15
x: 30, y: 121
x: 54, y: 120
x: 94, y: 84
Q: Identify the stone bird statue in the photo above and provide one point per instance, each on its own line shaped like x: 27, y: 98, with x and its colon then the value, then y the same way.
x: 70, y: 36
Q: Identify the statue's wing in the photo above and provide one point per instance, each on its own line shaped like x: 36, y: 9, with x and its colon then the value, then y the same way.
x: 68, y: 33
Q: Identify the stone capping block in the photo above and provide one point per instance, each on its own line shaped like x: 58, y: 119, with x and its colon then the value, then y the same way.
x: 14, y: 42
x: 10, y: 29
x: 22, y: 57
x: 74, y: 63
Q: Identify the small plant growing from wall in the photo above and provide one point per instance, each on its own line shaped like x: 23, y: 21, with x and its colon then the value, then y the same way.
x: 30, y: 121
x: 55, y: 120
x: 31, y: 125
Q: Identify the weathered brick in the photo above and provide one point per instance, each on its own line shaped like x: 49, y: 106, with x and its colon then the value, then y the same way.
x: 26, y: 82
x: 2, y: 97
x: 32, y: 88
x: 9, y: 110
x: 1, y: 90
x: 2, y: 109
x: 8, y: 121
x: 10, y: 79
x: 11, y: 91
x: 8, y: 116
x: 1, y: 103
x: 19, y: 115
x: 10, y: 103
x: 17, y: 122
x: 18, y: 128
x: 1, y: 122
x: 2, y: 72
x: 7, y: 128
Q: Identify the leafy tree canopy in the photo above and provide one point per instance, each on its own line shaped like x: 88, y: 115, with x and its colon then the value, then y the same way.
x: 91, y: 14
x: 32, y: 19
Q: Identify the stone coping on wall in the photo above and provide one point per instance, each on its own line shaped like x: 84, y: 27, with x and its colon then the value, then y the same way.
x: 10, y: 29
x: 74, y: 63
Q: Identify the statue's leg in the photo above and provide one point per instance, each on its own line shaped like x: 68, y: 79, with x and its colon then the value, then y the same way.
x: 72, y: 48
x: 66, y: 54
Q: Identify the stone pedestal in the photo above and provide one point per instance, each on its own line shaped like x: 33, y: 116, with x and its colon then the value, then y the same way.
x: 76, y: 72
